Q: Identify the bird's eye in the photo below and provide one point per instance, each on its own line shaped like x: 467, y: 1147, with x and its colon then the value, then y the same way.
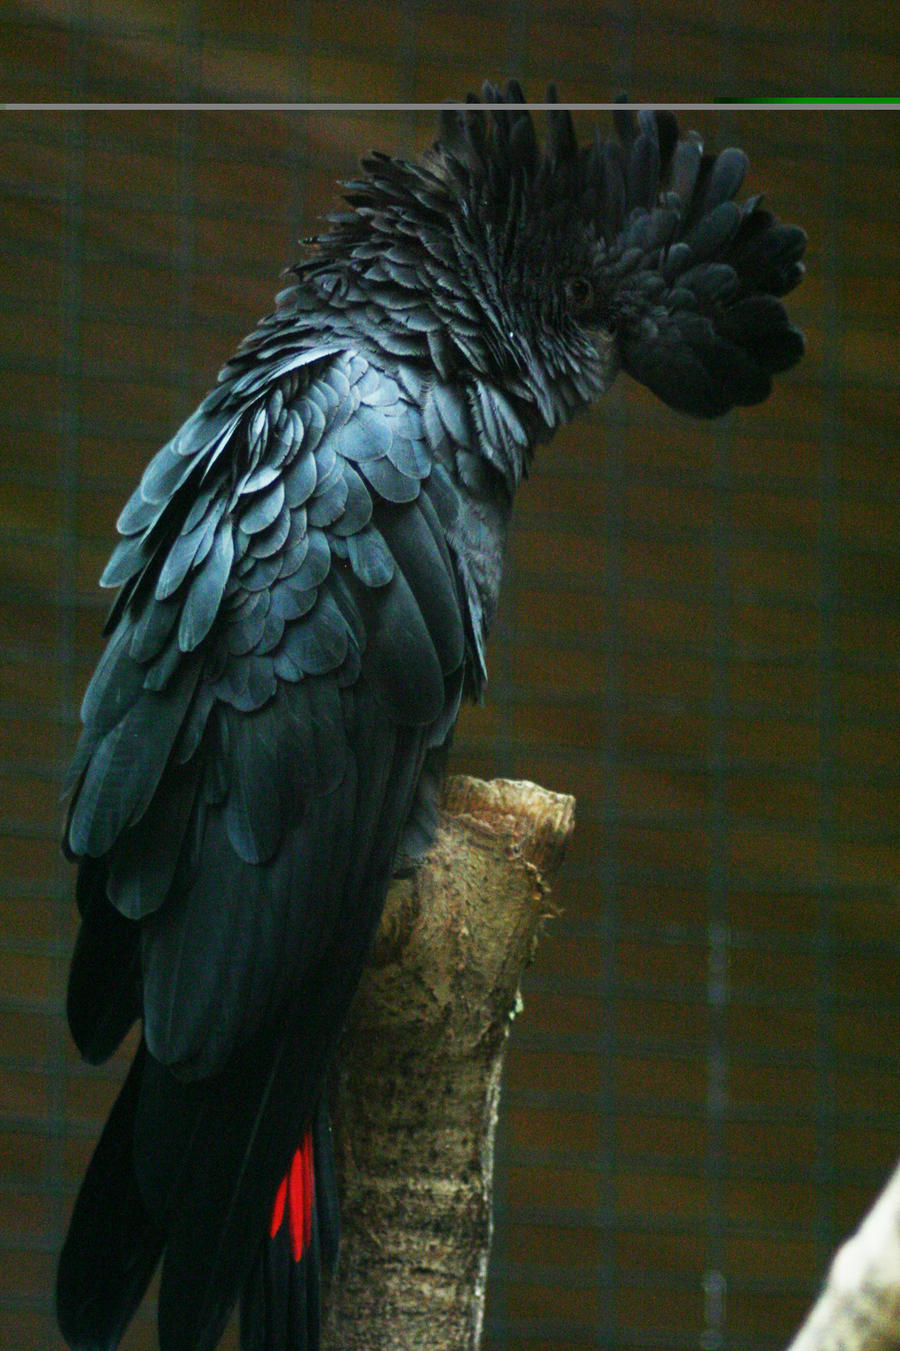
x: 579, y: 296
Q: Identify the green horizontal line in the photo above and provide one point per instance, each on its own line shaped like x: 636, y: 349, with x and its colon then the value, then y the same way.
x: 834, y: 103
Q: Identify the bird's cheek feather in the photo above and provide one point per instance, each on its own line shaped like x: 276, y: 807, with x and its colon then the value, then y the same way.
x: 603, y: 340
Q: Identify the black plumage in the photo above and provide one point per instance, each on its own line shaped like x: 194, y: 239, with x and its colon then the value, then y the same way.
x: 307, y: 575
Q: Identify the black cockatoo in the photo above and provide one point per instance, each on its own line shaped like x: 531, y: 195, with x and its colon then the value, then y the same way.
x: 307, y: 575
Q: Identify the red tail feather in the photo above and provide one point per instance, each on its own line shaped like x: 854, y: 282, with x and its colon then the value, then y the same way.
x: 298, y: 1193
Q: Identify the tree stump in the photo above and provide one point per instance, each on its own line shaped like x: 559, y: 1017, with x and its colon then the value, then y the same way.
x: 416, y: 1084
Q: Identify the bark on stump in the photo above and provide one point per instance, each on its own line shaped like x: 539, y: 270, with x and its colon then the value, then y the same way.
x: 416, y: 1085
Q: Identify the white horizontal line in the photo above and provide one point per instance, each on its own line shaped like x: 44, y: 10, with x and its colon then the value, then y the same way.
x: 800, y: 105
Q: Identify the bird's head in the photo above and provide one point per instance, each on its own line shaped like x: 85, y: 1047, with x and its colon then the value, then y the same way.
x: 546, y: 268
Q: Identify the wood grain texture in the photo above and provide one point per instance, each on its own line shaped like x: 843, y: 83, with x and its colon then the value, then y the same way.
x: 417, y: 1084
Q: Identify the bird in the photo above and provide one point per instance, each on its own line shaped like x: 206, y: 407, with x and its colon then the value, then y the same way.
x: 306, y: 578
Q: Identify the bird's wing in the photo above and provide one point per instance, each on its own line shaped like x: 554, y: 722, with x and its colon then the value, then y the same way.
x: 282, y: 566
x: 288, y: 644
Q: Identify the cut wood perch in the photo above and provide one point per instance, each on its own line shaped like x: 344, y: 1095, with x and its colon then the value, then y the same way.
x: 416, y: 1085
x: 859, y: 1308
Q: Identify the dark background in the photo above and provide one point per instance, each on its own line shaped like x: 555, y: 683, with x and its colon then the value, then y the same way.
x: 698, y: 637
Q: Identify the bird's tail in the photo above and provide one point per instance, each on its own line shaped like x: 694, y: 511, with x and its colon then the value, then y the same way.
x: 113, y: 1244
x: 282, y: 1300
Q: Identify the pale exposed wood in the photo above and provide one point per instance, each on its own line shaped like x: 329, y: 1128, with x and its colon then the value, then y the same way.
x: 418, y: 1077
x: 859, y: 1309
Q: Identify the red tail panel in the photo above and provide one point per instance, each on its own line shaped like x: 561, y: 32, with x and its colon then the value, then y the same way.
x: 297, y: 1194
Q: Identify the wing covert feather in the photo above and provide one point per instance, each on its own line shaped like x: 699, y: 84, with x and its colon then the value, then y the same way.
x: 279, y: 554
